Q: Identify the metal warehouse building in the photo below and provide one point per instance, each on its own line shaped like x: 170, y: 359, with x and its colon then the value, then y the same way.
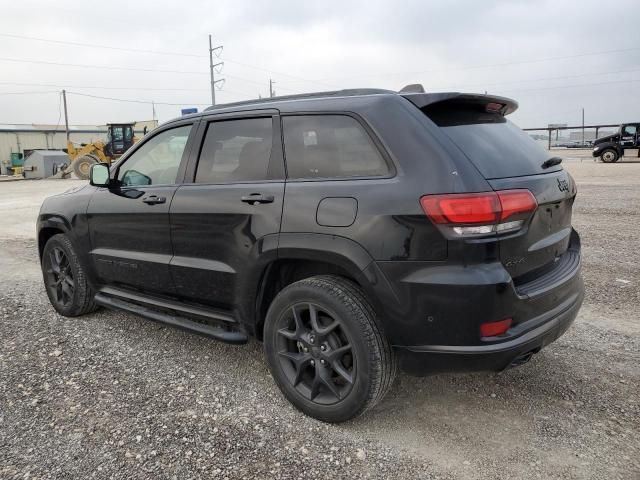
x: 24, y: 138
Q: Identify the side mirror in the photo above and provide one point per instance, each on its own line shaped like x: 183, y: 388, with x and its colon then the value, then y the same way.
x: 99, y: 175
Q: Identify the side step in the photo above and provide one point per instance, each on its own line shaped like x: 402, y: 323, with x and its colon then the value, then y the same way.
x: 109, y: 300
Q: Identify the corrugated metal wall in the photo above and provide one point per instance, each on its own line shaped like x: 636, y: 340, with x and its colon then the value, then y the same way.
x: 19, y: 141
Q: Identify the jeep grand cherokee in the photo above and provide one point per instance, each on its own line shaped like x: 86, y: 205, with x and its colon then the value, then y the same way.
x: 349, y: 231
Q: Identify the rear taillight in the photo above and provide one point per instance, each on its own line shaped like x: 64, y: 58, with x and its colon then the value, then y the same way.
x: 478, y: 214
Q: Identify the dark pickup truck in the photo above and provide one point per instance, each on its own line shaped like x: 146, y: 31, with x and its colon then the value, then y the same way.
x: 611, y: 148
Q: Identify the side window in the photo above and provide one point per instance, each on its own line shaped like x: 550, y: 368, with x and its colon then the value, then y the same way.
x: 157, y: 161
x: 630, y: 130
x: 235, y: 151
x: 330, y: 146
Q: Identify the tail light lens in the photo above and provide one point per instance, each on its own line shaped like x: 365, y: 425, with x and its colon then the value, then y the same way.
x: 477, y: 214
x: 492, y: 329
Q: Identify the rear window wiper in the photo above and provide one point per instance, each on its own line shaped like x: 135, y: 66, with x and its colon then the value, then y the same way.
x: 552, y: 162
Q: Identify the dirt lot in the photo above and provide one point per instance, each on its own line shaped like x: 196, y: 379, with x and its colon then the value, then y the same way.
x: 110, y: 395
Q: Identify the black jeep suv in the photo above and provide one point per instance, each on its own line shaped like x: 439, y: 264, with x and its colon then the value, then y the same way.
x: 349, y: 231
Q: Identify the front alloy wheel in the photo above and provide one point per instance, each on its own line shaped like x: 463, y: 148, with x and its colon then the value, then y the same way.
x: 65, y: 279
x: 59, y: 278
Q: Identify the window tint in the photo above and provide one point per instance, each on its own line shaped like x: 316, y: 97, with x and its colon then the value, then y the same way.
x: 330, y: 146
x: 157, y: 161
x: 235, y: 151
x: 497, y: 147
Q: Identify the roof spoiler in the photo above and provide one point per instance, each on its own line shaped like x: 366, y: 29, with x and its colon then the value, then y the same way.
x: 492, y: 103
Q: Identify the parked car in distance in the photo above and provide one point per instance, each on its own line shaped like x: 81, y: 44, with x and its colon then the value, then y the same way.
x: 349, y: 231
x: 611, y: 148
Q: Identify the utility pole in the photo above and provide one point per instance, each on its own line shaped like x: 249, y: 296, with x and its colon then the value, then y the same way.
x: 583, y: 126
x: 272, y: 93
x: 212, y: 68
x: 66, y: 117
x: 153, y: 110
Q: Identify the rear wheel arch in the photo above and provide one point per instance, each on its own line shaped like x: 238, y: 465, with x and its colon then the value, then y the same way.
x: 284, y: 271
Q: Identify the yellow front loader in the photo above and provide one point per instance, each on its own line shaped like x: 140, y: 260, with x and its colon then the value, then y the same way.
x: 120, y: 137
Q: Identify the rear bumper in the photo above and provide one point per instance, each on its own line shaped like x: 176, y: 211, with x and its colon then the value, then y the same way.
x: 434, y: 320
x: 428, y: 359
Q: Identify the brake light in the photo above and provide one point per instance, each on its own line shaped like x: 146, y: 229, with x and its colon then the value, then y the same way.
x: 514, y: 202
x: 492, y: 329
x: 493, y: 107
x: 474, y: 214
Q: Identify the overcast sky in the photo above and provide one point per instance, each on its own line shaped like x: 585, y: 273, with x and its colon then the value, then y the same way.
x: 545, y: 54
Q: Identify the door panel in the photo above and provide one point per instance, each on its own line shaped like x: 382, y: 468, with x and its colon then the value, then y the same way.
x: 129, y: 221
x: 231, y: 205
x: 217, y: 236
x: 131, y: 243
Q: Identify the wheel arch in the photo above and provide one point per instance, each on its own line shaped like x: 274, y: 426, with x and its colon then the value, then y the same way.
x: 612, y: 145
x: 48, y: 228
x: 305, y: 255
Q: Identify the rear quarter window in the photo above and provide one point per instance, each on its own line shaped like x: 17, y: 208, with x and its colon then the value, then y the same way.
x: 496, y: 146
x: 330, y: 146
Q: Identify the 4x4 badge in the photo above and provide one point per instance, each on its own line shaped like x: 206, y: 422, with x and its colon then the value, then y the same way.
x: 563, y: 185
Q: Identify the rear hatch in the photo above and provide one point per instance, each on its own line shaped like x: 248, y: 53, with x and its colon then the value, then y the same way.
x: 509, y: 159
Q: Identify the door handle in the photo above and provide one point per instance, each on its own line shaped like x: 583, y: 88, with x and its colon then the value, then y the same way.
x: 256, y: 198
x: 153, y: 200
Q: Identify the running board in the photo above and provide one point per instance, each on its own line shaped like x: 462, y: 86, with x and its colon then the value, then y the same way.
x: 228, y: 336
x: 182, y: 309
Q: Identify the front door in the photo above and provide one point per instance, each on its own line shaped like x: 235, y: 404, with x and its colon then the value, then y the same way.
x: 628, y: 136
x: 129, y: 222
x: 228, y: 209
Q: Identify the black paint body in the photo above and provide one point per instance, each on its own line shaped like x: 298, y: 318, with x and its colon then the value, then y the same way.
x: 206, y: 247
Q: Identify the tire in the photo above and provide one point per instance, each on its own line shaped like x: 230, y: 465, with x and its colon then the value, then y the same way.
x: 609, y: 155
x: 65, y: 279
x: 337, y: 366
x: 82, y: 166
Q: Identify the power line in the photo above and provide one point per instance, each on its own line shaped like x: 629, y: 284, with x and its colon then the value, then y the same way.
x: 157, y: 52
x: 582, y: 75
x: 574, y: 85
x: 95, y: 87
x: 28, y: 93
x: 492, y: 65
x: 100, y: 67
x: 110, y: 67
x: 93, y: 45
x: 147, y: 102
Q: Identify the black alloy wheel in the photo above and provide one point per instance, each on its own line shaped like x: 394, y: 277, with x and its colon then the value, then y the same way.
x: 316, y: 354
x: 60, y: 281
x: 65, y: 279
x: 326, y: 349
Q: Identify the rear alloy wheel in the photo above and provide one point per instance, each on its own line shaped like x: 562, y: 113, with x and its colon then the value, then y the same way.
x: 325, y: 350
x: 64, y: 278
x: 609, y: 156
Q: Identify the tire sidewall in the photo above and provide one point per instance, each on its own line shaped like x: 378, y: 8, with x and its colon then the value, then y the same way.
x: 615, y: 156
x: 360, y: 391
x: 59, y: 241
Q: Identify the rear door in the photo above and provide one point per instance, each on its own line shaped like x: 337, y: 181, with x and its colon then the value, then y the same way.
x: 129, y: 222
x: 228, y: 211
x: 509, y: 159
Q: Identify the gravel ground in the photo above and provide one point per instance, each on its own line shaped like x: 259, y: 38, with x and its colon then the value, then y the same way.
x: 110, y: 395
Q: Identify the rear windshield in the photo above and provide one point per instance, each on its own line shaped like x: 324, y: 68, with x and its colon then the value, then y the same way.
x: 496, y: 146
